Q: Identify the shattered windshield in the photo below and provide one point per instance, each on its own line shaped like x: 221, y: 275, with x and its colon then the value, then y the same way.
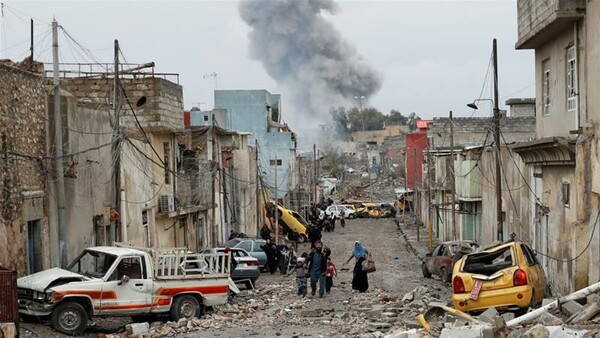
x: 489, y: 262
x: 92, y: 264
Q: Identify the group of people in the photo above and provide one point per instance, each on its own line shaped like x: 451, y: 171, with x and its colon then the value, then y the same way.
x: 319, y: 267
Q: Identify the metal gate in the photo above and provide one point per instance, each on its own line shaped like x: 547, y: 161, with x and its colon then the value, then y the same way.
x: 9, y: 306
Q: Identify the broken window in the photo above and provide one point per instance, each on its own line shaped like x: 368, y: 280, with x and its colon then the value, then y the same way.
x: 167, y: 151
x: 571, y: 79
x: 529, y: 255
x: 489, y: 262
x: 566, y: 194
x: 546, y: 86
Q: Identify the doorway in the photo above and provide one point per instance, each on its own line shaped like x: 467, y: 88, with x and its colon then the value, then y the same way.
x: 35, y: 244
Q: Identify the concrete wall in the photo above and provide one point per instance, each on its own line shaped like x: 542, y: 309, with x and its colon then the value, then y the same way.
x: 23, y: 179
x: 559, y: 121
x: 248, y: 111
x: 515, y: 196
x: 472, y: 131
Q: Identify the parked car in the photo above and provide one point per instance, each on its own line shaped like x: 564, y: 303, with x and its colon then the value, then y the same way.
x: 125, y: 281
x: 252, y: 247
x: 337, y: 209
x: 247, y: 269
x: 440, y: 260
x: 505, y: 276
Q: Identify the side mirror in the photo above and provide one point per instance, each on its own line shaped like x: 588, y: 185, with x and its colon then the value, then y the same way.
x: 124, y: 279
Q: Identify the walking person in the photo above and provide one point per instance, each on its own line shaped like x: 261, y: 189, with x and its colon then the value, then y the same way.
x: 343, y: 219
x: 314, y: 235
x: 330, y: 272
x: 360, y: 281
x: 317, y: 265
x: 301, y: 272
x: 271, y: 251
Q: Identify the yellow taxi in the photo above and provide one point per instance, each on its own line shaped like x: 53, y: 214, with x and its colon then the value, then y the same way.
x: 504, y: 276
x: 294, y: 223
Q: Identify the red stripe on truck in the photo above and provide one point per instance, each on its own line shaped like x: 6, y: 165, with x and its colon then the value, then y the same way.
x: 212, y: 289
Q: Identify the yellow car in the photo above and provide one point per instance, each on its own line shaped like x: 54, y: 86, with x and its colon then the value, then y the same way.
x: 505, y: 276
x: 294, y: 224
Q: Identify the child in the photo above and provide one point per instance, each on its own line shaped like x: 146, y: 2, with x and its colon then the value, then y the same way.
x: 342, y: 219
x: 329, y: 273
x: 301, y: 272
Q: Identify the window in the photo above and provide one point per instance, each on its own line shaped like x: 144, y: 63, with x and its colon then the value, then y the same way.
x: 205, y: 118
x: 278, y: 161
x: 566, y: 194
x: 546, y: 86
x: 246, y: 245
x: 128, y: 266
x: 437, y: 250
x: 167, y: 151
x: 571, y: 79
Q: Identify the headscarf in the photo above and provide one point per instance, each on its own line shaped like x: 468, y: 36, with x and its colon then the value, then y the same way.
x: 360, y: 251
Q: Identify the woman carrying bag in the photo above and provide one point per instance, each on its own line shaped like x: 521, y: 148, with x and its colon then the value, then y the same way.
x: 360, y: 281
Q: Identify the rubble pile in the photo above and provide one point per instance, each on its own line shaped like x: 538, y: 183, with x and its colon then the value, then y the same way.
x: 356, y: 314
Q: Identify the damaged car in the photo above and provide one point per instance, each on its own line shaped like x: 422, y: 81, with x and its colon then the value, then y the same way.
x: 506, y: 276
x: 441, y: 259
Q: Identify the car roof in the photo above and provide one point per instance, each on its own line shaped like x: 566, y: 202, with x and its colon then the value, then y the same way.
x: 114, y: 250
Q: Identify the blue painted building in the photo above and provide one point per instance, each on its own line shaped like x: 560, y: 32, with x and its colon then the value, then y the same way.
x: 259, y: 112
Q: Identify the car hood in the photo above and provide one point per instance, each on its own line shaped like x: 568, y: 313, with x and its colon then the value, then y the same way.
x: 39, y: 281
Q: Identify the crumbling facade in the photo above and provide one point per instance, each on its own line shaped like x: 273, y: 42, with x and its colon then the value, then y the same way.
x: 24, y: 230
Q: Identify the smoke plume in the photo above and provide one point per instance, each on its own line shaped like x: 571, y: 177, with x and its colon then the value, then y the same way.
x: 304, y: 52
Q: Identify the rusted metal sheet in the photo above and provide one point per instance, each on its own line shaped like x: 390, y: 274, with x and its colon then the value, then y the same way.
x: 9, y: 306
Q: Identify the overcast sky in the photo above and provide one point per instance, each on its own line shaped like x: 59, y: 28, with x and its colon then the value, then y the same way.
x: 433, y: 55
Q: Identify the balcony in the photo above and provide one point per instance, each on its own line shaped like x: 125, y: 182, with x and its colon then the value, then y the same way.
x: 541, y: 20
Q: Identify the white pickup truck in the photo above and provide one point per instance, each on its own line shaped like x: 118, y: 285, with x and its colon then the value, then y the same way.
x: 126, y: 281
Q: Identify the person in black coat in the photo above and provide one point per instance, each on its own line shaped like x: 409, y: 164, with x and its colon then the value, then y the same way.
x: 314, y: 234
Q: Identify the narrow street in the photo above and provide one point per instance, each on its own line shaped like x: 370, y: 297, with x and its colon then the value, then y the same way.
x: 274, y: 309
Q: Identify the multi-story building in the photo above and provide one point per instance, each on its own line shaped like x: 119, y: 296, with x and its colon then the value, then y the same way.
x: 260, y: 113
x: 564, y: 158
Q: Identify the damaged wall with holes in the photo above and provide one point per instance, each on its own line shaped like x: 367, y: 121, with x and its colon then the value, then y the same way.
x: 148, y: 214
x: 24, y: 231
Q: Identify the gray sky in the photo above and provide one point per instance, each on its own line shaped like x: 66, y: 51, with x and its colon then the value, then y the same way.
x: 433, y: 54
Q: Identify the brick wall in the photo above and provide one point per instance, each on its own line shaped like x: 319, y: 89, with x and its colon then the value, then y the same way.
x: 162, y: 111
x: 22, y: 179
x: 472, y: 131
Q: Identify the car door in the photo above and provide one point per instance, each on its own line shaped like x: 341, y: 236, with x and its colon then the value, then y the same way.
x: 431, y: 261
x: 132, y: 296
x: 258, y: 253
x: 534, y: 272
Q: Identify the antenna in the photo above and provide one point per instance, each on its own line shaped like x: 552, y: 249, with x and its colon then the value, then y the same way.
x: 213, y: 75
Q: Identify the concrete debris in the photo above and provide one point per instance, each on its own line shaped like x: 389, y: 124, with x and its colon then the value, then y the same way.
x: 571, y: 308
x: 137, y: 328
x: 586, y: 314
x: 474, y: 331
x: 371, y: 314
x: 548, y: 319
x: 537, y: 331
x: 488, y: 315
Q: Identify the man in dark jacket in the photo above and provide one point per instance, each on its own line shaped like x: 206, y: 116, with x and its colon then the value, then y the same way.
x: 314, y: 235
x: 317, y: 265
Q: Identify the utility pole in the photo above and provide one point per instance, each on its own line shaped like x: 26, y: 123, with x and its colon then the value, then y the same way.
x: 258, y: 221
x: 31, y: 41
x: 416, y: 194
x: 453, y: 194
x: 213, y: 164
x: 276, y: 205
x: 429, y: 218
x: 115, y: 147
x: 58, y: 153
x: 314, y: 183
x: 498, y: 149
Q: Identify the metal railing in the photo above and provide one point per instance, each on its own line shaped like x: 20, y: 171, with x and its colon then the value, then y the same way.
x: 100, y: 70
x: 9, y: 306
x: 184, y: 266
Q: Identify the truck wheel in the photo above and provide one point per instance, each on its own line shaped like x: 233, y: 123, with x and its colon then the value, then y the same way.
x: 301, y: 238
x: 185, y: 306
x: 69, y: 318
